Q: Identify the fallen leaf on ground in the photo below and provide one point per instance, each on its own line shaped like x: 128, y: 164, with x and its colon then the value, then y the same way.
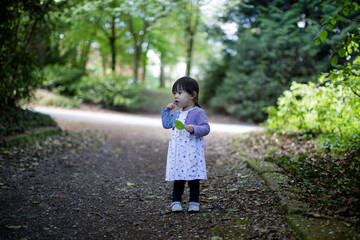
x: 250, y: 190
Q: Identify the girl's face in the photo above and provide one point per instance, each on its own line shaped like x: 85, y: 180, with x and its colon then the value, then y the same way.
x: 183, y: 99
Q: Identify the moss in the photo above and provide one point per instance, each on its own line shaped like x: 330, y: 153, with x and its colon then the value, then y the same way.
x: 262, y: 166
x: 319, y: 228
x: 237, y: 228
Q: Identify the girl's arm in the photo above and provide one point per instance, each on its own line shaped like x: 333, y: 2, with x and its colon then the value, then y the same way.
x: 202, y: 127
x: 167, y: 118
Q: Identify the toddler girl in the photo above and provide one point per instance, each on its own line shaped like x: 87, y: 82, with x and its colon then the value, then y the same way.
x: 186, y: 158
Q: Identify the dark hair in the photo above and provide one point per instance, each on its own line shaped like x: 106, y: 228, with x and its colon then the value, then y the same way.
x: 189, y: 85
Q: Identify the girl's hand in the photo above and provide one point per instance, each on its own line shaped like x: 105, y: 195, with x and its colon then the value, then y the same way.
x: 189, y: 128
x: 170, y: 106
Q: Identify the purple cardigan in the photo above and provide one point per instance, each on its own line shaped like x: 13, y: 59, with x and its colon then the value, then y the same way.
x: 195, y: 117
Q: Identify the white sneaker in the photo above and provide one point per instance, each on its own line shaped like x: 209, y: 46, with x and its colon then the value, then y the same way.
x: 193, y: 207
x: 176, y: 207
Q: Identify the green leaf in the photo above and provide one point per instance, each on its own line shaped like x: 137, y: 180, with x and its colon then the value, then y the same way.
x: 331, y: 27
x: 179, y: 125
x: 317, y: 42
x: 346, y: 11
x: 130, y: 184
x: 14, y: 227
x: 333, y: 21
x: 242, y: 176
x: 108, y: 230
x: 323, y: 35
x: 232, y: 210
x: 342, y: 52
x: 340, y: 18
x: 334, y: 60
x: 355, y: 6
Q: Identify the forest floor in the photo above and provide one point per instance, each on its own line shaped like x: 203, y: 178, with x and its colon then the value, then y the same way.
x: 107, y: 182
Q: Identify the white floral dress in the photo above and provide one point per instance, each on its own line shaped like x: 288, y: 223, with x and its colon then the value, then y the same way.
x: 186, y: 158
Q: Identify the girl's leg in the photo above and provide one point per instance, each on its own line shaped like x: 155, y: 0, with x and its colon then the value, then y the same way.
x: 194, y: 186
x: 178, y: 190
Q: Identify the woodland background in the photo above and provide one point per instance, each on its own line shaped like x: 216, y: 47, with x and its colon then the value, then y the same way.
x: 292, y: 66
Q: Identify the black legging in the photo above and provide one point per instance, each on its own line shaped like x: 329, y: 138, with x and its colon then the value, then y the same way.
x: 179, y: 186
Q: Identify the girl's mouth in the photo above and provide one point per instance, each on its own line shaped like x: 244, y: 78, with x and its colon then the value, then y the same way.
x: 176, y: 102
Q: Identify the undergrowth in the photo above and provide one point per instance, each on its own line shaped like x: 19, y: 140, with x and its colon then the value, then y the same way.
x: 329, y: 180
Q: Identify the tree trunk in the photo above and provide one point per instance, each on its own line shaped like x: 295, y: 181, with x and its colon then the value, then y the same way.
x: 144, y: 62
x: 162, y: 73
x: 137, y: 62
x: 112, y: 40
x: 189, y: 55
x: 84, y: 56
x: 190, y: 29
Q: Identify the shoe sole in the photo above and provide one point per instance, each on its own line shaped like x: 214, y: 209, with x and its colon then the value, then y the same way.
x: 178, y: 211
x: 193, y: 211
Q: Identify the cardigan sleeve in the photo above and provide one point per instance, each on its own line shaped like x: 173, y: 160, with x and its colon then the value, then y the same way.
x: 202, y: 127
x: 167, y: 118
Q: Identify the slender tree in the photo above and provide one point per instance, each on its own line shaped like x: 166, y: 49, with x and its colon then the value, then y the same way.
x: 190, y: 16
x: 141, y: 17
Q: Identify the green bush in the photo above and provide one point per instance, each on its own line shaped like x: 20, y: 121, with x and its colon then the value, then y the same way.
x: 18, y: 79
x: 109, y: 90
x: 241, y: 96
x: 326, y: 110
x: 62, y: 79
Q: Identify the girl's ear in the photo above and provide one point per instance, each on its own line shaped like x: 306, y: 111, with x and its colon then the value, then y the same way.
x: 194, y: 95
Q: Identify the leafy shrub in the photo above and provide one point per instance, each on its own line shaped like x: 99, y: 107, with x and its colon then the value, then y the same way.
x: 110, y: 91
x: 18, y: 79
x: 241, y: 96
x: 327, y: 110
x: 62, y: 79
x: 214, y: 76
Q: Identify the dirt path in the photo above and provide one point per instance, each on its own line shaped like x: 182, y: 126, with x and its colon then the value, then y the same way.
x: 109, y: 184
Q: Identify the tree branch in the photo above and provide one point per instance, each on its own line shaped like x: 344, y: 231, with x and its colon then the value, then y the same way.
x: 357, y: 94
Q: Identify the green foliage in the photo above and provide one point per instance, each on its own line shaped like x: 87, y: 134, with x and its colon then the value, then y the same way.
x: 327, y: 110
x: 346, y: 18
x: 62, y: 79
x: 17, y: 120
x: 109, y: 90
x: 19, y: 69
x: 214, y: 77
x: 272, y: 50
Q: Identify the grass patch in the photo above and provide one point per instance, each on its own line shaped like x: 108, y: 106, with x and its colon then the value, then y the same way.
x: 150, y: 100
x: 15, y: 120
x: 46, y: 98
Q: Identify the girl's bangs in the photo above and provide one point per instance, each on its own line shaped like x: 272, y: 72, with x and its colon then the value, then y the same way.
x: 177, y: 87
